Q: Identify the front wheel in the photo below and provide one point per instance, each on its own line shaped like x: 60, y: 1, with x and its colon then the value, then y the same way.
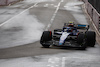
x: 46, y: 36
x: 81, y: 40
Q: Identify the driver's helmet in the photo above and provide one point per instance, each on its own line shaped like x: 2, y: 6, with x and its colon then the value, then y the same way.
x: 71, y: 24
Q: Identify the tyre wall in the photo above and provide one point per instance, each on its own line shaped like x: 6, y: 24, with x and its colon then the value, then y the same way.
x: 93, y: 12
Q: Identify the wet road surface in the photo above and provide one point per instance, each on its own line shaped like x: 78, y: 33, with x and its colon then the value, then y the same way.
x: 27, y: 27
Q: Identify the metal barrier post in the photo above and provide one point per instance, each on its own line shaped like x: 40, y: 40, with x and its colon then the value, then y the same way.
x: 6, y: 2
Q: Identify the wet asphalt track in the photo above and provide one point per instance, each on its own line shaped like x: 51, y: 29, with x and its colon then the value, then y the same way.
x: 47, y: 13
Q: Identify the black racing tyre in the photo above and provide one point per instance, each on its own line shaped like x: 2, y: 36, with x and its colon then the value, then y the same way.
x: 81, y: 41
x: 91, y: 38
x: 46, y: 36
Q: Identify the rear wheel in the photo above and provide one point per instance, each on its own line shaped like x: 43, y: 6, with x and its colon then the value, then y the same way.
x: 91, y: 38
x: 81, y: 40
x: 46, y: 36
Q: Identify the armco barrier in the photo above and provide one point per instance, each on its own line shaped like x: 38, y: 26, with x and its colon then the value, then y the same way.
x: 95, y: 16
x: 12, y: 1
x: 7, y: 2
x: 85, y: 1
x: 90, y: 10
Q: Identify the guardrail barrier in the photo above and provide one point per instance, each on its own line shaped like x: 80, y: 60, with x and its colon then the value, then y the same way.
x: 8, y: 2
x: 94, y: 11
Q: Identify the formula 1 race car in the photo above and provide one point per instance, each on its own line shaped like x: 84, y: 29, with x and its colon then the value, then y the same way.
x: 72, y: 35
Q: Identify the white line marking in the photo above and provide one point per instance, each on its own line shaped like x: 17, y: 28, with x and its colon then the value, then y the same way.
x: 36, y: 6
x: 52, y: 0
x: 18, y: 14
x: 62, y: 1
x: 46, y: 5
x: 52, y: 4
x: 63, y: 61
x: 54, y: 15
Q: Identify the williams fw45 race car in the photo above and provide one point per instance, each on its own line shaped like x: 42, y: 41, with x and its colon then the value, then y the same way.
x: 72, y: 35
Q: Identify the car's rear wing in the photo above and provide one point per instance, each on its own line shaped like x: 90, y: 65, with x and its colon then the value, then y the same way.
x: 80, y: 26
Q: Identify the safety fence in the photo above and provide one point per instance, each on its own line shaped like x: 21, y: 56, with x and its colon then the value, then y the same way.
x: 95, y: 4
x: 7, y: 2
x: 94, y: 14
